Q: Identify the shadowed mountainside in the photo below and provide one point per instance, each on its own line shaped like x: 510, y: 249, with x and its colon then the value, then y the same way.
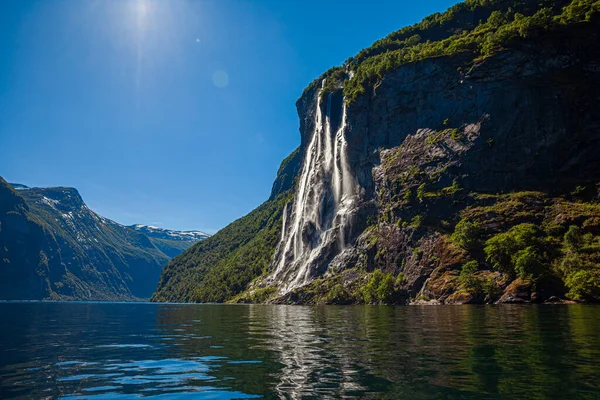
x: 52, y: 246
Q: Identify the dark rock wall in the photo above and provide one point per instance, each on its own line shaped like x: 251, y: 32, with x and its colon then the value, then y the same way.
x: 538, y: 107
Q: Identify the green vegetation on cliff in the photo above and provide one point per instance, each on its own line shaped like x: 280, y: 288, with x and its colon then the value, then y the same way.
x: 548, y: 240
x: 478, y: 27
x: 545, y: 243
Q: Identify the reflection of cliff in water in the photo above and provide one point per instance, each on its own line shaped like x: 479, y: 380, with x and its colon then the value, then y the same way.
x: 312, y: 352
x: 60, y: 350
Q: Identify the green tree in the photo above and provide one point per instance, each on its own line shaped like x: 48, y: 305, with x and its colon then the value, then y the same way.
x: 466, y: 234
x: 338, y: 295
x: 381, y: 288
x: 497, y: 19
x: 584, y: 285
x: 369, y: 291
x: 467, y: 278
x: 573, y: 238
x: 401, y: 279
x: 385, y: 290
x: 421, y: 192
x: 528, y: 263
x: 502, y: 250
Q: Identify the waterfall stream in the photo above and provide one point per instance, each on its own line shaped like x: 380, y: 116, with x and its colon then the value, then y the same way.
x: 324, y: 200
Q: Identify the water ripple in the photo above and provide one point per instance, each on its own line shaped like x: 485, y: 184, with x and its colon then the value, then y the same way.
x: 104, y: 351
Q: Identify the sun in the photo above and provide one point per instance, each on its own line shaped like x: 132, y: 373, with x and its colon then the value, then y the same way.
x: 141, y: 11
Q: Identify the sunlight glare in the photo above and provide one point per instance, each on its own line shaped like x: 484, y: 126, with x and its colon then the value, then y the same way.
x: 151, y: 37
x: 141, y: 12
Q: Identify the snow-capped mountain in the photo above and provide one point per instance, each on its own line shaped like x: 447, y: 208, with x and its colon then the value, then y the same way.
x: 160, y: 233
x: 52, y: 246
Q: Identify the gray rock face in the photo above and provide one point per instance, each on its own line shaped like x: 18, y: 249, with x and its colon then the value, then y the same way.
x: 537, y: 113
x: 286, y: 174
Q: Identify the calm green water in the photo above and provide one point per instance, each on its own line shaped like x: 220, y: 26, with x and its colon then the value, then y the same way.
x: 125, y: 351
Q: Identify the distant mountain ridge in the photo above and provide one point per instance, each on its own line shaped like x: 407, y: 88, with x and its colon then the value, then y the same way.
x: 172, y: 243
x: 52, y: 246
x: 161, y: 233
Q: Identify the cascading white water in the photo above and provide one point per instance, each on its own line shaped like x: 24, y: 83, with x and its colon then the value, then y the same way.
x: 284, y: 224
x: 325, y: 198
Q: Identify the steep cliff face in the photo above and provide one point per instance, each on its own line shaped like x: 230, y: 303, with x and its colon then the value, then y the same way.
x: 458, y: 170
x: 441, y: 139
x: 52, y: 246
x: 528, y: 114
x: 23, y: 254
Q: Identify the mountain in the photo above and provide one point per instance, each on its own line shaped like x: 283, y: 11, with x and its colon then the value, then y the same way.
x: 170, y: 242
x: 454, y: 161
x: 52, y: 246
x: 167, y: 234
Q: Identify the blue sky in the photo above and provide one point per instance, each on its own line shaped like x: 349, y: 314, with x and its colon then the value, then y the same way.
x: 171, y: 113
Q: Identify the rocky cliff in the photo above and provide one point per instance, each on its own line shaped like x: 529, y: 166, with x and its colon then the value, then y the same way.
x: 454, y: 161
x: 52, y: 246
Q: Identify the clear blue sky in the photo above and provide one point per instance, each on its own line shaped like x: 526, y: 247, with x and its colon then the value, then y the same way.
x: 171, y: 113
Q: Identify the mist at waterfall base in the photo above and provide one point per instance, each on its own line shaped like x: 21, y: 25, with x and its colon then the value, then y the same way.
x: 172, y: 351
x: 315, y: 223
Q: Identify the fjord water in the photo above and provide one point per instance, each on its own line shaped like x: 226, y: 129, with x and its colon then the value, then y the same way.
x: 125, y: 351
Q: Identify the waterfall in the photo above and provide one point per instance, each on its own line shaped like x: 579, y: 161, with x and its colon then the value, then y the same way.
x: 284, y: 224
x: 314, y: 232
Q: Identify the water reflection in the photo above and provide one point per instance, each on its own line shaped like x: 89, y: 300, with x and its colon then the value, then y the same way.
x: 305, y: 343
x: 206, y: 351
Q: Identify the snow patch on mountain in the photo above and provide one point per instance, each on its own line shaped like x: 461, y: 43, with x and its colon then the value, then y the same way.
x: 18, y: 186
x: 50, y: 202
